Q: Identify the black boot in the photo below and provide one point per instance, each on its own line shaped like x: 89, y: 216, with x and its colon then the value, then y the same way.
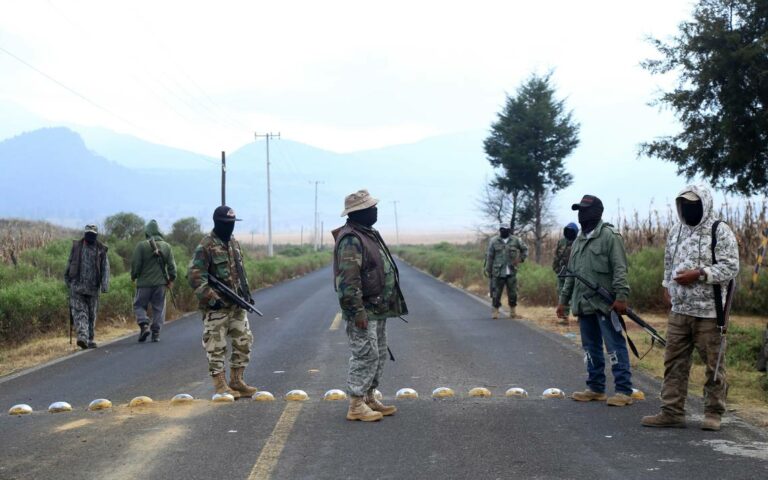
x: 92, y: 344
x: 144, y: 333
x: 155, y: 336
x: 82, y: 343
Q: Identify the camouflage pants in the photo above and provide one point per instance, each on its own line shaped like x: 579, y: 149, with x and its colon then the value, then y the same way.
x: 684, y: 334
x: 560, y: 284
x: 217, y: 326
x: 84, y: 309
x: 369, y: 352
x: 497, y: 289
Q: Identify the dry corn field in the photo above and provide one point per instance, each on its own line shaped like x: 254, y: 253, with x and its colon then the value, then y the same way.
x: 19, y: 235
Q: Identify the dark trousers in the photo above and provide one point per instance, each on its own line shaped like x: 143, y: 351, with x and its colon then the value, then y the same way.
x: 154, y: 296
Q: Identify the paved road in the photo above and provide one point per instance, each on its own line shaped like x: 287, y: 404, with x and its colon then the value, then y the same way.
x: 450, y: 341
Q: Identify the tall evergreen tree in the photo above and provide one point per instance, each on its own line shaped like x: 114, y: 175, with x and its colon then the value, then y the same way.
x: 528, y: 144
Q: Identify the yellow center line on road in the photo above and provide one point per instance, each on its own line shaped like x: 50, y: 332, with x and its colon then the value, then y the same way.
x: 336, y: 322
x: 272, y: 450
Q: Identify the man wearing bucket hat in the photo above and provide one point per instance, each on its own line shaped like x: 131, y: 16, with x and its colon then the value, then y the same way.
x: 505, y: 252
x: 562, y: 255
x: 219, y: 254
x: 86, y: 275
x: 368, y: 285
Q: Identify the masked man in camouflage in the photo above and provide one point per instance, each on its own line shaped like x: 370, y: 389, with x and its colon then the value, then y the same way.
x: 219, y: 254
x: 368, y: 286
x: 562, y: 254
x: 86, y: 275
x: 154, y: 270
x: 505, y: 253
x: 689, y: 279
x: 598, y: 255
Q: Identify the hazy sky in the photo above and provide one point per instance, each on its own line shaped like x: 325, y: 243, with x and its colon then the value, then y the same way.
x: 342, y: 75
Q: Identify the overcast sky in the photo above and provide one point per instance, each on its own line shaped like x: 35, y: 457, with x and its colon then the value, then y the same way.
x: 342, y: 75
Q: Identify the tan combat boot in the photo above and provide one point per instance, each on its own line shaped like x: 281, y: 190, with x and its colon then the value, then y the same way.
x: 663, y: 420
x: 220, y: 383
x: 711, y: 422
x: 237, y: 383
x: 619, y: 400
x: 513, y: 312
x: 495, y: 313
x: 358, y: 410
x: 377, y: 406
x: 588, y: 396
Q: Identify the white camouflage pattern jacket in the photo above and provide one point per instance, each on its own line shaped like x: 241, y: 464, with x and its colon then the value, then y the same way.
x: 691, y: 248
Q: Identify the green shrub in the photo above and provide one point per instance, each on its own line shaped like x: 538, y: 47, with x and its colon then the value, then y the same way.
x: 33, y: 306
x: 537, y: 284
x: 646, y: 272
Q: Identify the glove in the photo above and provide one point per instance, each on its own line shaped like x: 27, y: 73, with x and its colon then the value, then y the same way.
x: 217, y: 305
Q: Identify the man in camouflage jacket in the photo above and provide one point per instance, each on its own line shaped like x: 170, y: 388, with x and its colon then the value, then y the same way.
x: 86, y: 275
x: 505, y: 252
x: 368, y: 286
x: 562, y: 255
x: 689, y: 279
x: 219, y: 254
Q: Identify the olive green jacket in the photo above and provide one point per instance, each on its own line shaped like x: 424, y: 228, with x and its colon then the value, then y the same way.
x: 502, y: 255
x: 599, y: 257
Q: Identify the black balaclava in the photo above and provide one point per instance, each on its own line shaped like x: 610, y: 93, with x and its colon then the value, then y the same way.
x: 90, y: 237
x: 692, y: 212
x: 570, y: 234
x: 589, y: 217
x: 366, y: 217
x: 504, y: 232
x: 223, y: 230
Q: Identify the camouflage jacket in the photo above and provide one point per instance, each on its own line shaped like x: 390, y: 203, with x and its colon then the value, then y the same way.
x: 562, y: 254
x: 225, y: 261
x: 600, y: 258
x: 502, y: 258
x: 361, y: 252
x: 691, y: 248
x: 87, y: 271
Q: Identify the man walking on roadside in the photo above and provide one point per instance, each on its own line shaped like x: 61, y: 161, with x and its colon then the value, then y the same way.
x: 86, y: 275
x: 701, y: 257
x: 154, y: 271
x: 219, y: 254
x: 562, y: 255
x: 505, y: 253
x: 598, y: 255
x: 368, y: 285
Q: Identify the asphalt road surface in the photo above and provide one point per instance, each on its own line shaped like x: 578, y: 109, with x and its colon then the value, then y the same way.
x: 450, y: 341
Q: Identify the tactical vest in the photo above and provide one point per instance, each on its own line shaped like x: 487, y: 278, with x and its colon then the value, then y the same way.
x: 77, y: 251
x: 372, y: 269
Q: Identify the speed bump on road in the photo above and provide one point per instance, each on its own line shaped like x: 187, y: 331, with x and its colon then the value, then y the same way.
x: 140, y: 401
x: 182, y: 399
x: 480, y: 392
x: 553, y: 393
x: 443, y: 392
x: 263, y: 396
x: 406, y: 393
x: 516, y: 392
x: 59, y: 407
x: 297, y: 396
x: 637, y: 394
x: 99, y: 404
x: 335, y: 394
x: 20, y: 409
x: 222, y: 398
x: 377, y: 394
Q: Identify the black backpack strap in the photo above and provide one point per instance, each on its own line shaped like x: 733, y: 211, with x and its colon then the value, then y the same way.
x: 719, y: 311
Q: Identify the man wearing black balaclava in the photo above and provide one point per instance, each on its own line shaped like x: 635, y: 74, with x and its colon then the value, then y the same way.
x: 598, y: 255
x: 368, y: 286
x: 86, y: 275
x: 562, y: 254
x: 504, y: 254
x: 219, y: 254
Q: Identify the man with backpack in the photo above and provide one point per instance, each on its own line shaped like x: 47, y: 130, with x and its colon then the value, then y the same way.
x: 700, y: 260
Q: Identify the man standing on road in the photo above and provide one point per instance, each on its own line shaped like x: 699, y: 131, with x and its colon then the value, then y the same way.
x: 505, y: 253
x: 690, y: 278
x: 154, y: 270
x: 598, y: 255
x: 219, y: 254
x: 562, y: 255
x: 86, y: 275
x: 368, y: 285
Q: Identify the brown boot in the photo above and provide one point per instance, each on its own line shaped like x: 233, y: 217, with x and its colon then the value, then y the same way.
x: 588, y: 396
x: 513, y: 312
x: 377, y: 406
x: 663, y: 420
x: 495, y: 313
x: 711, y: 422
x: 619, y: 400
x: 237, y: 383
x: 358, y: 410
x: 220, y: 383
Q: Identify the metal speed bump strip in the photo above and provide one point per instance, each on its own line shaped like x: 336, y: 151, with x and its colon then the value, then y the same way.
x: 222, y: 398
x: 335, y: 394
x: 297, y: 396
x: 99, y: 404
x: 140, y: 401
x: 480, y: 392
x: 59, y: 407
x: 182, y: 399
x: 553, y: 393
x: 20, y: 409
x: 377, y: 394
x: 443, y: 392
x: 637, y: 394
x: 516, y: 392
x: 405, y: 393
x: 263, y: 397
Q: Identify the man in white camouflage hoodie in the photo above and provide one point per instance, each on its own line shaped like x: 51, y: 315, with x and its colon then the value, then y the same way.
x: 689, y: 279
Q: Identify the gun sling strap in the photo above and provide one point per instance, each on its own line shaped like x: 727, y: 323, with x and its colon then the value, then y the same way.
x: 719, y: 310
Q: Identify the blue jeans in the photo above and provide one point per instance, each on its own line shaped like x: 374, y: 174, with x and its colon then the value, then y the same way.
x: 595, y: 329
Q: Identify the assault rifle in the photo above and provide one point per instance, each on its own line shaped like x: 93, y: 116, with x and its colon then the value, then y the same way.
x: 232, y: 296
x: 163, y: 268
x: 724, y: 327
x: 608, y: 298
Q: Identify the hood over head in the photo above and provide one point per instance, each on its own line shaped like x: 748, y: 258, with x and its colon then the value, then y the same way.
x: 152, y: 229
x: 704, y: 194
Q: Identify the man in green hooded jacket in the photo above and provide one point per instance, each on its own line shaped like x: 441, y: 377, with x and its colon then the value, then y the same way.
x: 154, y: 270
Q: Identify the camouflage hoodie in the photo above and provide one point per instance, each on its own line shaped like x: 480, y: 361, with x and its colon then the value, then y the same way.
x: 691, y: 248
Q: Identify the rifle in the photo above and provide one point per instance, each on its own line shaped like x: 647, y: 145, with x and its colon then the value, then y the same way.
x: 163, y: 268
x: 724, y: 327
x: 616, y: 318
x: 232, y: 296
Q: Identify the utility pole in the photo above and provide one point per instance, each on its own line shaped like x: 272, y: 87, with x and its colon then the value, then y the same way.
x: 268, y: 136
x: 223, y: 178
x: 397, y: 229
x: 315, y: 232
x: 301, y: 238
x: 322, y: 230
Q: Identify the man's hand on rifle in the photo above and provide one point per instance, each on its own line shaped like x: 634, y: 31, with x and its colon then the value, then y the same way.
x: 217, y: 305
x: 620, y: 306
x: 560, y: 310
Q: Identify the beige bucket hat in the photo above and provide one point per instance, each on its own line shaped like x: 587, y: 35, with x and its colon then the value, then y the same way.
x: 359, y: 200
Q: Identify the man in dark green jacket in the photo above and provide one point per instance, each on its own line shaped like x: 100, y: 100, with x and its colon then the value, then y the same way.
x: 154, y: 270
x: 598, y: 255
